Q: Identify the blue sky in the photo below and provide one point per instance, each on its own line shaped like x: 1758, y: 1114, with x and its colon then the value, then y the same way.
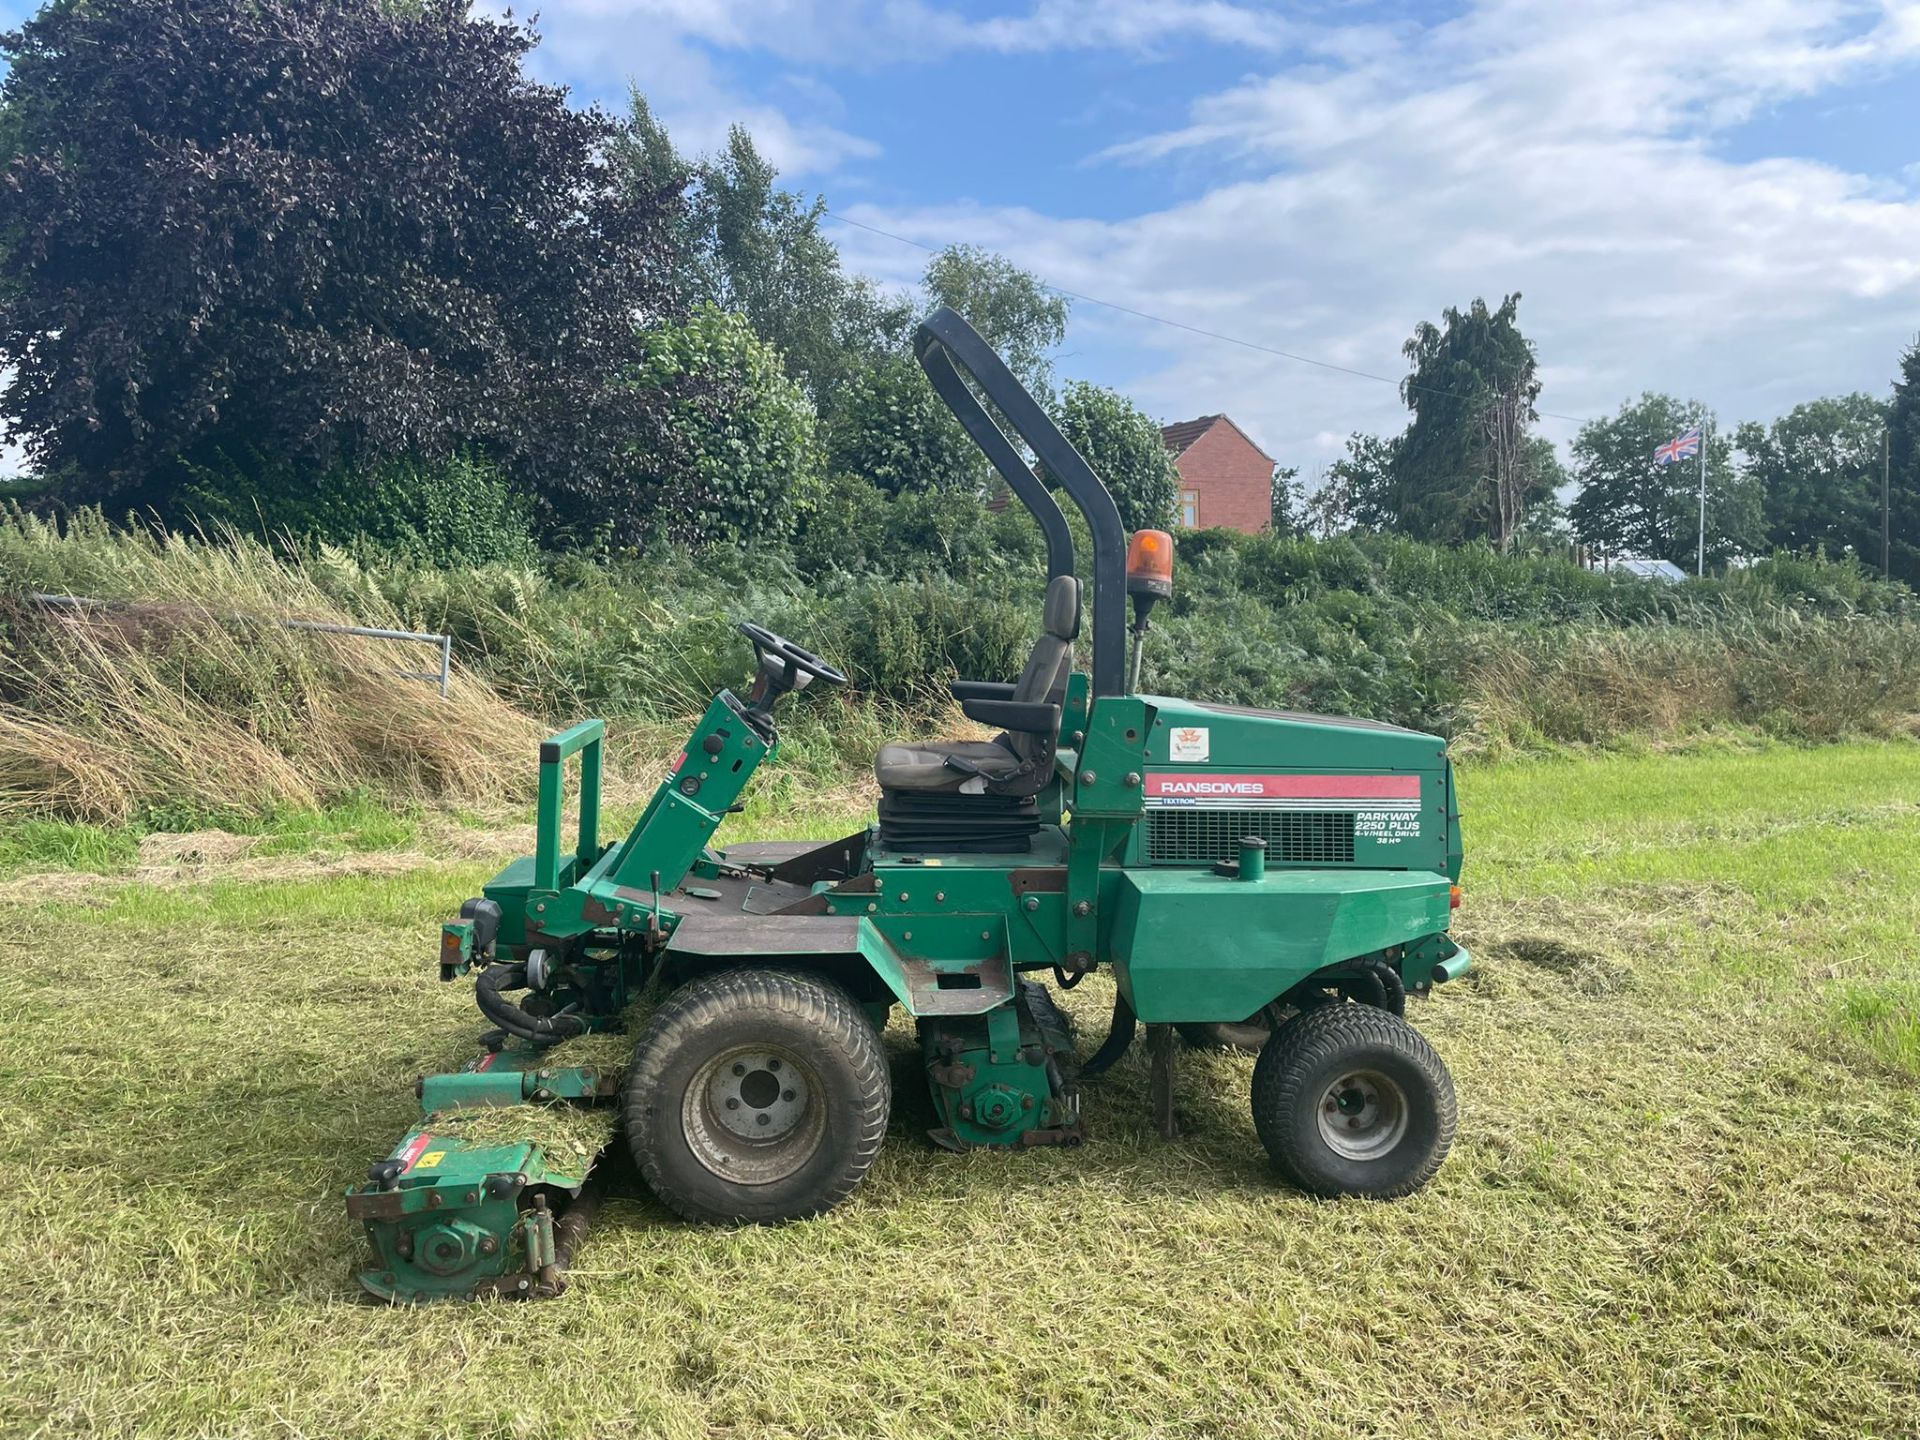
x: 1718, y: 199
x: 1713, y: 198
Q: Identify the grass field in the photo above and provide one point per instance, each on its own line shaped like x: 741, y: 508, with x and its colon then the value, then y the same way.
x: 1685, y: 1200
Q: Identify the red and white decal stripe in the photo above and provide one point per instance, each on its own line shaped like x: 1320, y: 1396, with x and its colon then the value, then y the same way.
x: 1182, y: 788
x: 415, y: 1149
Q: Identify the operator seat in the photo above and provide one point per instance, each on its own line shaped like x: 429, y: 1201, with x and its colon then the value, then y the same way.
x: 978, y: 794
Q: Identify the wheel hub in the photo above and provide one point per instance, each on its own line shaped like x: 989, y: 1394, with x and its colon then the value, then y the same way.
x: 757, y: 1095
x: 752, y: 1115
x: 1363, y: 1115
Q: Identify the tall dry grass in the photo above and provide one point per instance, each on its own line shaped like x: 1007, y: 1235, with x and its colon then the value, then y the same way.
x: 195, y: 704
x: 1811, y: 678
x: 197, y: 701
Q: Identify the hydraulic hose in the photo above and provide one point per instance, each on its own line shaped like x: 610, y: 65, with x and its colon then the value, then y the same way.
x: 539, y: 1030
x: 1366, y: 987
x: 1119, y: 1037
x: 1393, y: 989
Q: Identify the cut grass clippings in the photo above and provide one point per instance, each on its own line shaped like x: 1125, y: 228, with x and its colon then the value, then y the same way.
x: 567, y: 1132
x: 1684, y: 1202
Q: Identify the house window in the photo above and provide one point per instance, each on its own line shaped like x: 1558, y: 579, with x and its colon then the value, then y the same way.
x: 1190, y: 509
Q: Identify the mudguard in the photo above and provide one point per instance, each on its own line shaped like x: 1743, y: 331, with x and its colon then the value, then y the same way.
x: 1261, y: 937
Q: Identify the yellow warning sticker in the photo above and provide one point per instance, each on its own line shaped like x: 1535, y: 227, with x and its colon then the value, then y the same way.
x: 430, y: 1159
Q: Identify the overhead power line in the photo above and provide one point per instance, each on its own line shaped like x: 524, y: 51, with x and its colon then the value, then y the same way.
x: 1244, y: 344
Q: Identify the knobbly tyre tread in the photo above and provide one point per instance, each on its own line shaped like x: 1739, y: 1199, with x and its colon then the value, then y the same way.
x: 1298, y: 1060
x: 817, y: 1004
x: 1046, y: 1010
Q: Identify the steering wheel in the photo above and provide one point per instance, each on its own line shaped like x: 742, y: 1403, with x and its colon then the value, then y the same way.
x: 784, y: 666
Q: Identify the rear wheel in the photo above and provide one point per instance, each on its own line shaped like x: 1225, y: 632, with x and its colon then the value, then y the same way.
x: 758, y: 1095
x: 1350, y: 1100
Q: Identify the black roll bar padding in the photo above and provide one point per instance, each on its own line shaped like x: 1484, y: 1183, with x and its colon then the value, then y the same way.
x: 944, y: 344
x: 980, y: 428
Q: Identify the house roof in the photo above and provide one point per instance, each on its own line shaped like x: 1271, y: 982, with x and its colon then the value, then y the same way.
x: 1179, y: 437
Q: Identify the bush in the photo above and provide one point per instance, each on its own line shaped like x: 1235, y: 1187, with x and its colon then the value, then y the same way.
x: 859, y: 529
x: 747, y: 431
x: 461, y: 511
x: 349, y: 231
x: 1500, y: 654
x: 894, y: 432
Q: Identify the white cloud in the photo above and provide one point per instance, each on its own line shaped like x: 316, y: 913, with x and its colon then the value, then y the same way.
x: 1370, y: 175
x: 841, y: 32
x: 666, y: 47
x: 604, y: 46
x: 1567, y: 151
x: 1100, y: 24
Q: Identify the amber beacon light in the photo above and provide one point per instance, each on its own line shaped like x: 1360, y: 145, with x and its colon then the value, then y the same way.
x: 1149, y: 580
x: 1150, y: 564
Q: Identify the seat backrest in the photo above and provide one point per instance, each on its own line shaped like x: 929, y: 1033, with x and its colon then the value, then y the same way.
x: 1051, y: 660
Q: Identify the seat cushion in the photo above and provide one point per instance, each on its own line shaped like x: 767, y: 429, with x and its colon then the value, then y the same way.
x: 923, y: 765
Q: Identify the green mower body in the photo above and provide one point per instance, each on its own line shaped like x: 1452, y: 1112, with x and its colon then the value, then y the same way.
x: 1225, y: 867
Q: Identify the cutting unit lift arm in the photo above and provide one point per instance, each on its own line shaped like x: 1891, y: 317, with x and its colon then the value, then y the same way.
x: 1265, y: 880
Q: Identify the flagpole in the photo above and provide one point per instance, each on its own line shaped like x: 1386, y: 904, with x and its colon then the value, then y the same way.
x: 1700, y: 564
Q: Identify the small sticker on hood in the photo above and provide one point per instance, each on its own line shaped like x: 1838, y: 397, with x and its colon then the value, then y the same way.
x: 1190, y: 743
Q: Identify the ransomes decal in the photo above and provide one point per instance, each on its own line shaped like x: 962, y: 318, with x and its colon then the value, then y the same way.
x: 1372, y: 793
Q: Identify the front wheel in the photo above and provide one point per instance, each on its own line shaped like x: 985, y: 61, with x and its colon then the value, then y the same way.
x: 756, y: 1095
x: 1350, y: 1100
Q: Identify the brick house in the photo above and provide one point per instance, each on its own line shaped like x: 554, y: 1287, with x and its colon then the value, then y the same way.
x: 1225, y: 479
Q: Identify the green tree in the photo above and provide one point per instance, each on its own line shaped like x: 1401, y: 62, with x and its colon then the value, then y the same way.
x: 1903, y: 435
x: 1629, y: 505
x: 1289, y: 509
x: 772, y: 262
x: 1818, y: 468
x: 744, y: 243
x: 1356, y: 492
x: 890, y: 429
x: 1124, y: 447
x: 747, y: 433
x: 1465, y: 467
x: 646, y: 163
x: 1012, y: 309
x: 1546, y: 521
x: 320, y: 231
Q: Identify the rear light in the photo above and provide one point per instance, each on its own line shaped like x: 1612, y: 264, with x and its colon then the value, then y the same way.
x: 1453, y: 897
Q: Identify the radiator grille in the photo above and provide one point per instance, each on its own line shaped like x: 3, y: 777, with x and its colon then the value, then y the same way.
x: 1201, y: 836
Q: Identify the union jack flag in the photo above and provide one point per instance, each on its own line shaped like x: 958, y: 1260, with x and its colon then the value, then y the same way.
x: 1681, y: 448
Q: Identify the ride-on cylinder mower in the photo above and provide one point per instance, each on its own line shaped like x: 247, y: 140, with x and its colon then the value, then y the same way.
x: 1257, y: 878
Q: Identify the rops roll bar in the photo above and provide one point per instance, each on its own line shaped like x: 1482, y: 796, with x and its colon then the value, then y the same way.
x: 947, y: 348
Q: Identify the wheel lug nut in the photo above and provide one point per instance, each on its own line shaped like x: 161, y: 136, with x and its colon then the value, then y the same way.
x: 733, y: 1103
x: 764, y: 1118
x: 786, y: 1095
x: 773, y: 1063
x: 739, y: 1069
